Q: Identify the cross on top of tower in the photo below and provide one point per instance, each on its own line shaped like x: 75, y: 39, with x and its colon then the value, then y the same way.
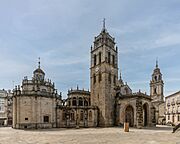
x: 39, y: 63
x: 156, y: 62
x: 104, y: 23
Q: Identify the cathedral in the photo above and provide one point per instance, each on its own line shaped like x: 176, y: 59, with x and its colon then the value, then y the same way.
x: 110, y: 101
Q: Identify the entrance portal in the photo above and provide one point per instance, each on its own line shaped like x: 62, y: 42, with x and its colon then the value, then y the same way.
x: 145, y: 114
x: 129, y: 116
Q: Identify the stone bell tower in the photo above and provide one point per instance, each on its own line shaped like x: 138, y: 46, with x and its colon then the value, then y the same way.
x: 104, y: 76
x: 157, y: 85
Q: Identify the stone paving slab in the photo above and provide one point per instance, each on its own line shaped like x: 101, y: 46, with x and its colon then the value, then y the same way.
x: 115, y: 135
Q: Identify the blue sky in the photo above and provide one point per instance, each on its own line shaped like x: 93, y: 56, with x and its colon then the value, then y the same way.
x: 62, y: 31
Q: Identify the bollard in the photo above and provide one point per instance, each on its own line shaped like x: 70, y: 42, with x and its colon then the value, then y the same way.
x: 126, y: 127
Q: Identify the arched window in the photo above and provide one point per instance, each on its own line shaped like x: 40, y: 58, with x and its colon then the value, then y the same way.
x: 99, y: 57
x: 90, y: 115
x: 82, y: 116
x: 109, y: 57
x: 155, y: 91
x: 100, y: 77
x: 94, y: 59
x: 85, y: 103
x: 64, y: 115
x: 155, y: 78
x: 94, y: 78
x: 80, y: 102
x: 114, y: 80
x: 74, y: 103
x: 109, y: 78
x: 113, y: 60
x: 126, y: 90
x: 69, y: 102
x: 72, y: 116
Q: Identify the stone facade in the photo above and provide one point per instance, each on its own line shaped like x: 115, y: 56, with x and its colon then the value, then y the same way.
x: 76, y: 110
x: 109, y: 102
x: 135, y: 109
x: 34, y: 104
x: 3, y: 108
x: 157, y: 95
x: 173, y: 108
x: 104, y: 76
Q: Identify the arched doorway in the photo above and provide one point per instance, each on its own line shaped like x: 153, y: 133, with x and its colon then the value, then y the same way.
x: 145, y: 114
x: 129, y: 115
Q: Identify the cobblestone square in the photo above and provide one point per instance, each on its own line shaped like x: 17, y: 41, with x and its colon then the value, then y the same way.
x: 115, y: 135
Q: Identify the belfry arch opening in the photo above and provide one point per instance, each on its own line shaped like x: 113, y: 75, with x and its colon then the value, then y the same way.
x: 129, y: 115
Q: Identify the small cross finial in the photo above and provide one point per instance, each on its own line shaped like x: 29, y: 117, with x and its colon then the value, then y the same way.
x: 39, y: 63
x: 104, y: 24
x: 156, y: 62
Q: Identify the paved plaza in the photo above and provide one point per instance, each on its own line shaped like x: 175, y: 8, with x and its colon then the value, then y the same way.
x: 159, y: 135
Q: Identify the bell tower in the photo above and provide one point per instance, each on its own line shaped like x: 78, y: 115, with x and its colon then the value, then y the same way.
x: 104, y: 76
x: 157, y: 85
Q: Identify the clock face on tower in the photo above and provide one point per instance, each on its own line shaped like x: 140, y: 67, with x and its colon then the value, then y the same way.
x: 97, y: 69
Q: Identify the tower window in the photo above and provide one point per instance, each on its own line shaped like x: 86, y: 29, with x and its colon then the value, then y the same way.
x: 94, y: 60
x: 155, y: 78
x: 113, y: 60
x: 100, y: 77
x: 94, y: 78
x: 46, y: 118
x: 74, y: 103
x: 114, y: 80
x: 159, y: 77
x: 99, y: 57
x: 80, y: 102
x: 155, y: 91
x: 109, y: 78
x: 109, y: 57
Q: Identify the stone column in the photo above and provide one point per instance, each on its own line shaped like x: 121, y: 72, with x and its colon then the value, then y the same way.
x: 139, y: 113
x: 14, y: 112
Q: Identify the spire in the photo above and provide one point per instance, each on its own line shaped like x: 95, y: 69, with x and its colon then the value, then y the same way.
x: 120, y: 80
x: 39, y: 63
x: 120, y: 75
x: 156, y: 62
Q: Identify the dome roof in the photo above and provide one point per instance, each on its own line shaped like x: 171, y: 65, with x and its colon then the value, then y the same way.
x: 39, y: 70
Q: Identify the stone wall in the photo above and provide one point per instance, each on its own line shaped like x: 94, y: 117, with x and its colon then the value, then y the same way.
x: 29, y: 112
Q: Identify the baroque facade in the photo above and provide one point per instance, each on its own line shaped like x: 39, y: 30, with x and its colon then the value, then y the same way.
x: 173, y: 108
x: 110, y: 101
x: 5, y: 108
